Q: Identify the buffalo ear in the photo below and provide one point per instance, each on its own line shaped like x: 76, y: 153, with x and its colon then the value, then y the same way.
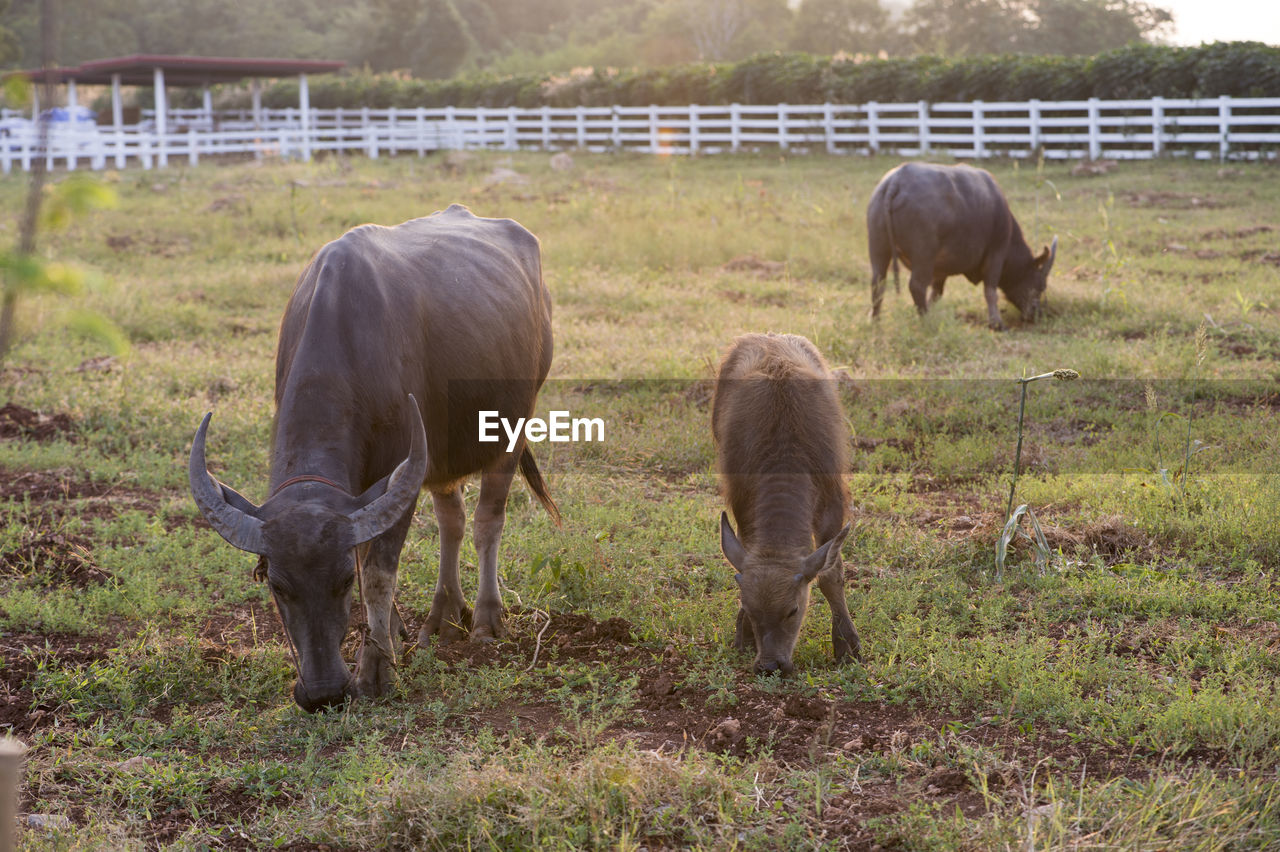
x: 729, y: 544
x: 824, y: 557
x: 1046, y: 258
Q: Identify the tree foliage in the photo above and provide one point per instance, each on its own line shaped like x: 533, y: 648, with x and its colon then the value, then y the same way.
x: 439, y: 38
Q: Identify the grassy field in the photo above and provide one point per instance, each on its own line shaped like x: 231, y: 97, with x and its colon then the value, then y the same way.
x: 1118, y: 693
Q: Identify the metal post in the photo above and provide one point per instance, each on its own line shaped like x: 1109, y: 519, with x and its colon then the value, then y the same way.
x: 546, y: 128
x: 420, y: 127
x: 735, y: 127
x: 12, y: 753
x: 582, y: 127
x: 513, y: 129
x: 162, y: 116
x: 255, y: 89
x: 782, y: 127
x: 72, y: 128
x: 694, y: 142
x: 828, y: 127
x: 117, y: 119
x: 304, y: 108
x: 654, y: 135
x: 873, y: 127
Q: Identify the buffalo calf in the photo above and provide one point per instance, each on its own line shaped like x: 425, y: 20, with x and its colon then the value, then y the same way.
x: 782, y: 449
x: 952, y: 220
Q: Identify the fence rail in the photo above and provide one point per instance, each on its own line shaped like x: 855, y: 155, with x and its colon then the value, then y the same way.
x: 1218, y: 128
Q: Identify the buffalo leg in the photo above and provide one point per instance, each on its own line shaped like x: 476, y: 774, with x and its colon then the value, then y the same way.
x: 920, y: 284
x: 935, y: 291
x: 990, y: 279
x: 844, y: 637
x: 378, y: 569
x: 491, y: 515
x: 449, y: 617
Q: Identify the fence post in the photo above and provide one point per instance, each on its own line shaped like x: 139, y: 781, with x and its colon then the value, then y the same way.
x: 582, y: 127
x: 654, y: 135
x: 1095, y: 143
x: 1224, y: 127
x: 615, y: 140
x: 546, y: 128
x: 694, y: 143
x: 370, y: 134
x: 513, y: 142
x: 1157, y: 126
x: 735, y: 127
x: 873, y: 127
x: 979, y: 144
x: 420, y: 129
x: 828, y: 127
x: 451, y: 127
x: 481, y: 128
x: 118, y: 135
x: 922, y: 109
x: 12, y: 752
x: 782, y: 127
x: 1033, y: 118
x: 193, y: 146
x: 6, y: 159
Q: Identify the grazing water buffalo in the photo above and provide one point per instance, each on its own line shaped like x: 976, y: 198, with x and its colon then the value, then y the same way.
x: 952, y: 220
x: 782, y: 448
x: 452, y: 310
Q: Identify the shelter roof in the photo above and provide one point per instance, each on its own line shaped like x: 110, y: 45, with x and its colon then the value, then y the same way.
x: 138, y: 70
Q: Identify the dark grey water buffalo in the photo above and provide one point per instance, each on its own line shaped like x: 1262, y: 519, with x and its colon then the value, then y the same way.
x: 452, y: 309
x: 782, y: 448
x: 952, y: 220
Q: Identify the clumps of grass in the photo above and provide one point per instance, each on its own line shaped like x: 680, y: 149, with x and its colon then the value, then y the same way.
x: 1013, y: 517
x: 614, y: 797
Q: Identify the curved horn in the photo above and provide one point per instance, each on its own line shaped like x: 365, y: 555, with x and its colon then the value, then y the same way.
x: 232, y: 523
x: 402, y: 487
x: 1053, y: 253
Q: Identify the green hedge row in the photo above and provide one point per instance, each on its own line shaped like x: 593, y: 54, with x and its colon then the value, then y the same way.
x: 1242, y: 69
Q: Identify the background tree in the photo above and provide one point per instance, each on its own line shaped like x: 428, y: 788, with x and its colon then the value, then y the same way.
x: 829, y: 26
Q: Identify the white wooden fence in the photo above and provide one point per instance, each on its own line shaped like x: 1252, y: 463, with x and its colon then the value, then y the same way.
x: 1217, y: 128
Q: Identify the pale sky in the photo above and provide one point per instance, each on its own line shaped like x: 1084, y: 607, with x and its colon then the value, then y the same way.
x: 1198, y: 21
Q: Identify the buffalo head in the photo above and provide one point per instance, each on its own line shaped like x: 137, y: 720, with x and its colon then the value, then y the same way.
x: 775, y: 593
x: 1028, y: 290
x: 308, y: 546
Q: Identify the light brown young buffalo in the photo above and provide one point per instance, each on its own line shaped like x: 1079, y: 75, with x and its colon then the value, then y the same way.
x: 782, y: 448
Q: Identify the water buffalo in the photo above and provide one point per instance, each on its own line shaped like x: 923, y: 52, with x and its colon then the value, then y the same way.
x: 952, y: 220
x: 782, y: 448
x: 452, y: 310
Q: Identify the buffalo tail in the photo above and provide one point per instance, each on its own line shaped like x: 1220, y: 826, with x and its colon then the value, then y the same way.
x: 533, y: 476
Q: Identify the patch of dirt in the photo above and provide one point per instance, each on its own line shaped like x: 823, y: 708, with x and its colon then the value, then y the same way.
x: 1170, y: 200
x: 224, y: 804
x: 59, y: 493
x: 775, y: 300
x: 1262, y: 256
x: 755, y: 265
x: 53, y: 557
x: 1238, y: 233
x: 19, y: 422
x: 19, y: 712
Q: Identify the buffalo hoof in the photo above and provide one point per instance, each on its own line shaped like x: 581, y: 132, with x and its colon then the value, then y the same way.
x: 844, y: 642
x: 450, y: 623
x: 487, y: 626
x: 997, y: 326
x: 374, y: 674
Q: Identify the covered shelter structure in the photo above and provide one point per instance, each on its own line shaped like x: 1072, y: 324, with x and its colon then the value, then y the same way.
x: 163, y: 71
